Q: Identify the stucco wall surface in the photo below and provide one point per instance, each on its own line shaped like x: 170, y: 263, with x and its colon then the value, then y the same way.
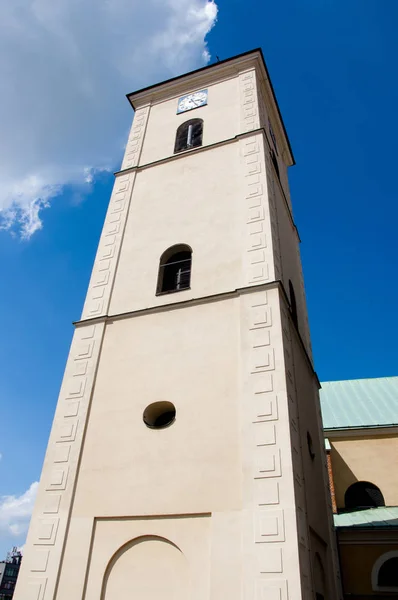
x: 220, y: 116
x: 357, y: 562
x: 366, y: 458
x: 195, y: 202
x: 188, y: 357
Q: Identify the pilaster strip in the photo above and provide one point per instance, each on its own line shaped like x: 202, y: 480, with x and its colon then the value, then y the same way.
x: 46, y: 538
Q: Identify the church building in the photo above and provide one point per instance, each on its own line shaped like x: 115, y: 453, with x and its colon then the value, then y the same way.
x: 186, y: 458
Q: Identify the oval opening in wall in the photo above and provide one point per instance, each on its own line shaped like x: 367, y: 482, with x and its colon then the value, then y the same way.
x: 159, y: 415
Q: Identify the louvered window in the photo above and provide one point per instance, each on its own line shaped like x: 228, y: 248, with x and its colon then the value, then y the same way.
x: 175, y: 269
x: 275, y: 163
x: 293, y: 304
x: 189, y: 135
x: 363, y: 494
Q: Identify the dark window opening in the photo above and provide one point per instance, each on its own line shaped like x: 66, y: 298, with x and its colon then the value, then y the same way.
x: 388, y: 573
x: 275, y: 163
x: 293, y: 304
x: 189, y: 135
x: 159, y: 415
x: 175, y: 270
x: 319, y: 578
x: 363, y: 494
x: 272, y: 134
x: 310, y: 446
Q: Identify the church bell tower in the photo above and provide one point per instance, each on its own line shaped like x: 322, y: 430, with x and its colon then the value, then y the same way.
x: 186, y: 457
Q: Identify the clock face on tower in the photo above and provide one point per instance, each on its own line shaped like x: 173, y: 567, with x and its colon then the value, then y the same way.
x: 191, y: 101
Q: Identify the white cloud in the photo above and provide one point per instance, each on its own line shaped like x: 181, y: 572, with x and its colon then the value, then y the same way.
x: 15, y: 511
x: 65, y: 67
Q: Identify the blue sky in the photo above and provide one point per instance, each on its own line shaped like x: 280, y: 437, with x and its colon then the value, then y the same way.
x: 333, y: 68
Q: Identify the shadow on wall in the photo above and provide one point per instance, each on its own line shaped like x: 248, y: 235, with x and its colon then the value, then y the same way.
x: 343, y: 477
x: 147, y: 568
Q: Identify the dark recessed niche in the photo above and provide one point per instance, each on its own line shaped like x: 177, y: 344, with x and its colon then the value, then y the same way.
x: 310, y: 446
x: 159, y: 415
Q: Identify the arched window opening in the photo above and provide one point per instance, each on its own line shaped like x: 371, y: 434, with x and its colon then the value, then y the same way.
x: 175, y: 269
x: 189, y: 135
x: 275, y: 163
x: 388, y: 574
x: 293, y: 304
x: 385, y: 573
x: 363, y: 494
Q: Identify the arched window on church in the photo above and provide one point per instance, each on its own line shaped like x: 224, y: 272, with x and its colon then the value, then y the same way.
x: 189, y: 135
x: 385, y: 573
x: 175, y: 269
x: 388, y: 574
x: 293, y: 304
x: 363, y: 494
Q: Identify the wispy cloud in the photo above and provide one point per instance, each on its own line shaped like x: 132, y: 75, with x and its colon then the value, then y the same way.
x: 15, y: 511
x: 65, y: 67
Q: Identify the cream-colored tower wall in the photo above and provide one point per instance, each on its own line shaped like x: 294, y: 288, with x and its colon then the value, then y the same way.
x: 187, y: 479
x: 226, y: 485
x: 228, y: 457
x: 290, y: 262
x: 286, y: 239
x: 267, y: 119
x: 220, y: 116
x: 312, y: 486
x: 169, y: 198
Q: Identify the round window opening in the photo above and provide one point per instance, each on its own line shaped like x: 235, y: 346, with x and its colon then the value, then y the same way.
x: 159, y: 415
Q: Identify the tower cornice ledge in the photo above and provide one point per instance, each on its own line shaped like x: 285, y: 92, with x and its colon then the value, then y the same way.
x: 236, y: 138
x: 204, y: 300
x: 205, y: 76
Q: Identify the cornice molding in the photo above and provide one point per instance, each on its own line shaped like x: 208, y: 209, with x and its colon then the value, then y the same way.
x: 171, y: 88
x: 357, y: 432
x: 206, y: 147
x: 215, y: 73
x: 367, y: 535
x: 227, y: 295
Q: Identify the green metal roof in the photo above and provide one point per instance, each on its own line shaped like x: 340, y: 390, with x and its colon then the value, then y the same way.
x: 383, y: 516
x: 360, y: 403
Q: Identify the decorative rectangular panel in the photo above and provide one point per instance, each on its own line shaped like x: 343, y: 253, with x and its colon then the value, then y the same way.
x: 262, y: 383
x: 67, y: 431
x: 267, y: 589
x: 58, y: 478
x: 265, y: 408
x: 46, y: 531
x: 260, y: 317
x: 71, y: 408
x: 266, y: 492
x: 262, y: 359
x: 52, y: 503
x: 61, y: 454
x: 36, y: 588
x: 269, y: 526
x: 39, y: 560
x: 260, y: 338
x: 268, y: 462
x: 265, y: 434
x: 76, y: 387
x: 270, y: 559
